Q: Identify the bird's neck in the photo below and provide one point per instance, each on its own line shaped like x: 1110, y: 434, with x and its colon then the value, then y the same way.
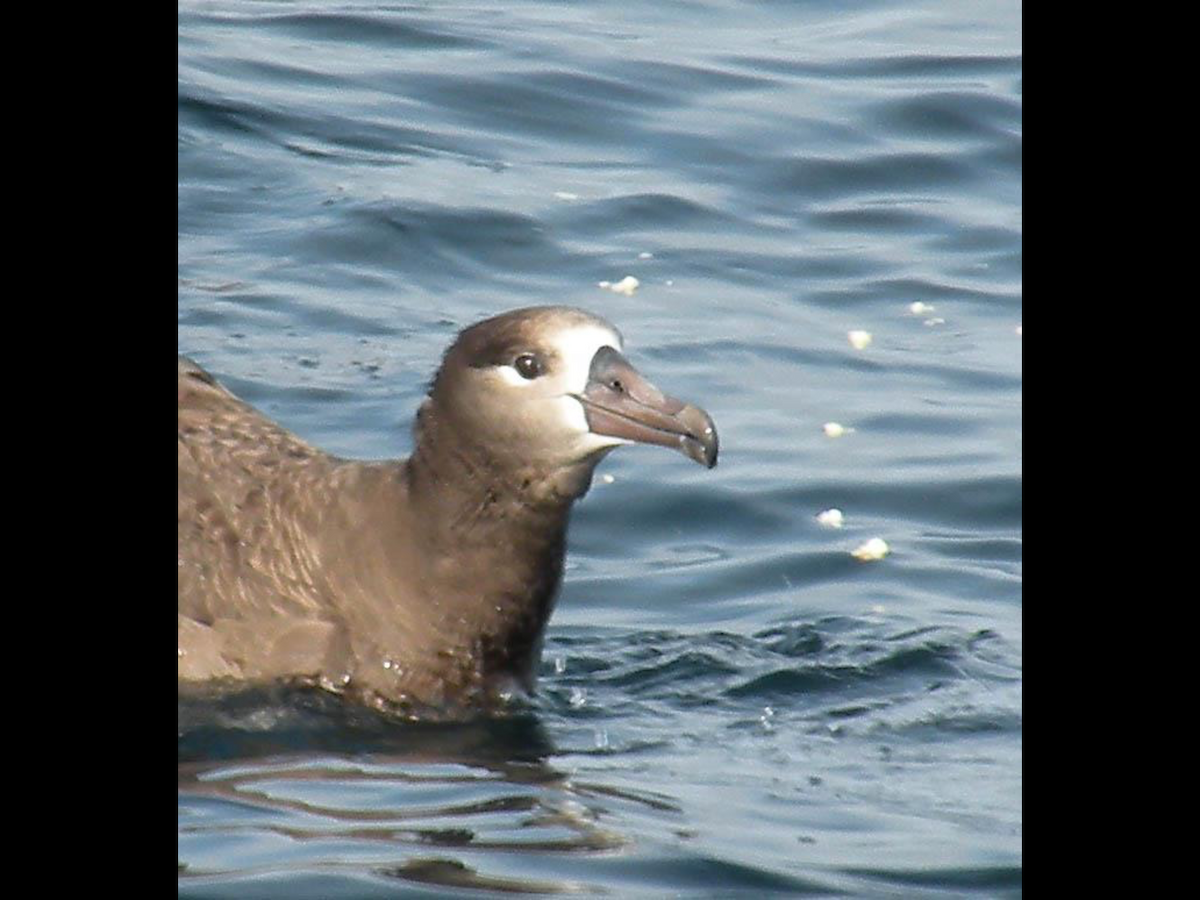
x: 493, y: 537
x: 448, y: 462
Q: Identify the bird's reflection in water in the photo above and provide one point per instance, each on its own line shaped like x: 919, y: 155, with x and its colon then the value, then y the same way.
x: 435, y: 803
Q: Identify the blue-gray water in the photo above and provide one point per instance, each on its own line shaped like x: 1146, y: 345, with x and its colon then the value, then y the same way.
x: 730, y: 703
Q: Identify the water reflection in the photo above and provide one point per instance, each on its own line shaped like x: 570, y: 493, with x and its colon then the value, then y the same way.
x: 323, y: 783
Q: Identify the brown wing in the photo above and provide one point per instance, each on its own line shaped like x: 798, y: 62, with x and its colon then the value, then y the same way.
x: 240, y: 575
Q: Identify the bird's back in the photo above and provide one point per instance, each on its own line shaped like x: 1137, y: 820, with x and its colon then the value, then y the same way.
x: 240, y: 574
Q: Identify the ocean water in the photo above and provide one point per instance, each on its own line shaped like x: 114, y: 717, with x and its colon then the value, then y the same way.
x: 730, y: 704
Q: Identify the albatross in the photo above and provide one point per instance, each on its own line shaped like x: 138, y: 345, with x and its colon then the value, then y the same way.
x: 419, y: 584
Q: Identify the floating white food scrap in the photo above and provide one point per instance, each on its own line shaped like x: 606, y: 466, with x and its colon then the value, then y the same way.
x: 919, y: 308
x: 875, y: 548
x: 607, y: 479
x: 835, y: 429
x: 626, y: 285
x: 565, y: 195
x: 860, y: 340
x: 645, y: 255
x: 831, y: 518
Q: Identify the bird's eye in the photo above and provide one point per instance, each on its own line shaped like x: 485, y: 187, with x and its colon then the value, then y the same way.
x: 528, y: 365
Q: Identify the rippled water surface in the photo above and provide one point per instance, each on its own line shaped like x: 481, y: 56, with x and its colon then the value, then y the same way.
x: 730, y: 702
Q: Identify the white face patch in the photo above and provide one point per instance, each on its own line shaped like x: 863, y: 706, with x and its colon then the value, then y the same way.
x: 512, y: 377
x: 576, y: 347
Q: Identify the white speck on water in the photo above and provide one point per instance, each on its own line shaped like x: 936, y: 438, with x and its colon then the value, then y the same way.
x: 831, y: 518
x: 1018, y: 330
x: 578, y: 697
x: 936, y: 320
x: 878, y: 609
x: 835, y: 429
x: 859, y: 339
x: 875, y: 548
x: 602, y: 739
x: 626, y: 285
x: 645, y: 255
x: 919, y: 309
x: 560, y: 664
x: 607, y: 479
x: 565, y: 195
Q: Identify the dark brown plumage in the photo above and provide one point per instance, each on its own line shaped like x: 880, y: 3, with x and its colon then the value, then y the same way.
x: 416, y: 584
